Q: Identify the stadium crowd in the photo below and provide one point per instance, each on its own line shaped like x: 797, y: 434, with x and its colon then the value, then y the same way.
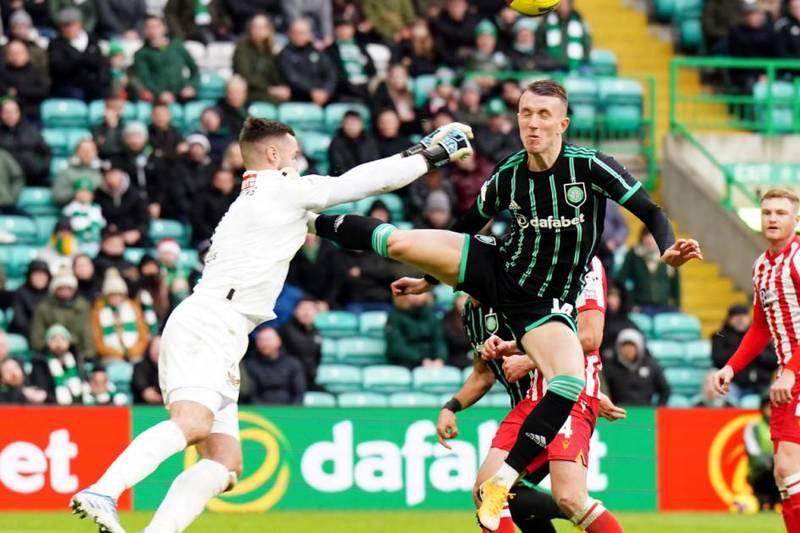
x: 86, y: 305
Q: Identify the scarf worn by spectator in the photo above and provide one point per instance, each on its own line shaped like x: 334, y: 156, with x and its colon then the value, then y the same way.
x: 112, y: 396
x: 575, y: 34
x: 118, y: 325
x: 201, y: 15
x: 149, y: 311
x: 69, y: 385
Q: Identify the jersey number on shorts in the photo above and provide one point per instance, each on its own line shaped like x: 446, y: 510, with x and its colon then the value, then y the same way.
x: 566, y: 429
x: 560, y: 308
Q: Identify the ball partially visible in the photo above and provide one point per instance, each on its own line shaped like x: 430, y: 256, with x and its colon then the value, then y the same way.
x: 744, y: 503
x: 533, y: 8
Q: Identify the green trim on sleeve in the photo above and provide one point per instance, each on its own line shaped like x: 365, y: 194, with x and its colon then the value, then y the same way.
x: 462, y: 267
x: 630, y: 193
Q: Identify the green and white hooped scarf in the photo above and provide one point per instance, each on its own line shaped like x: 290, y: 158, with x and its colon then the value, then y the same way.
x: 69, y: 386
x: 118, y: 326
x: 201, y: 15
x: 149, y: 311
x: 112, y: 396
x: 575, y: 33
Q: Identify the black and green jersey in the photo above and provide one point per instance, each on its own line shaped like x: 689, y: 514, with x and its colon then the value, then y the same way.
x: 557, y: 217
x: 481, y: 322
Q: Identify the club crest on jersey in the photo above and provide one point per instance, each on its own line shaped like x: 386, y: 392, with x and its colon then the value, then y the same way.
x: 575, y: 193
x: 490, y: 323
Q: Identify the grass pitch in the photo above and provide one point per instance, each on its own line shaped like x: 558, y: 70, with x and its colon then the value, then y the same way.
x: 389, y: 522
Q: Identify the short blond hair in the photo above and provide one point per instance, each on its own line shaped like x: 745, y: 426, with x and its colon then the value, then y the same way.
x: 782, y: 192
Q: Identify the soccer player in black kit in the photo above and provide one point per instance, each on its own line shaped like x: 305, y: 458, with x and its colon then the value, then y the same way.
x: 556, y: 193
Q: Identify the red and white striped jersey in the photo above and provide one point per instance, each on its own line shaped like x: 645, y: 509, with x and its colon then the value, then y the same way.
x: 591, y: 298
x: 776, y: 283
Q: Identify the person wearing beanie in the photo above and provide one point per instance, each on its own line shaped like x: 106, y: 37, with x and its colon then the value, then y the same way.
x: 78, y: 67
x: 437, y: 212
x: 634, y: 377
x: 83, y: 165
x: 57, y: 371
x: 117, y: 321
x: 29, y: 295
x: 62, y: 306
x: 62, y: 247
x: 169, y: 254
x: 523, y: 54
x: 499, y: 136
x: 22, y: 28
x: 85, y: 216
x: 488, y: 58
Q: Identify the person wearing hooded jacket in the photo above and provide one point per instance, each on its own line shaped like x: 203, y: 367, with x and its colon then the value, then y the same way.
x: 62, y: 306
x: 28, y: 296
x: 634, y: 377
x: 351, y: 146
x: 122, y: 208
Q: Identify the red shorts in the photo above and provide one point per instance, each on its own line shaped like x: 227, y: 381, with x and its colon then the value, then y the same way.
x: 784, y: 423
x: 570, y: 444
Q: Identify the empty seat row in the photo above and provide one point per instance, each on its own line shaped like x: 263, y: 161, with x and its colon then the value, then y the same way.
x: 397, y: 399
x: 696, y: 353
x: 388, y: 378
x: 668, y: 326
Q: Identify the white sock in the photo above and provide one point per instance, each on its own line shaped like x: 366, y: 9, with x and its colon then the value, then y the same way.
x: 141, y: 458
x: 588, y: 513
x: 506, y: 476
x: 188, y: 496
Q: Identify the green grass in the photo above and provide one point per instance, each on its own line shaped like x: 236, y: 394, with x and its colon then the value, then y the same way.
x: 390, y: 522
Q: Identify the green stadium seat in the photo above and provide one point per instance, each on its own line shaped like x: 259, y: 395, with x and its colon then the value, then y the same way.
x: 37, y: 201
x: 413, y: 399
x: 21, y: 227
x: 339, y: 378
x: 335, y: 112
x: 663, y: 9
x: 341, y: 209
x: 319, y: 399
x: 134, y: 255
x: 690, y: 34
x: 302, y: 115
x: 97, y: 111
x: 163, y: 228
x: 386, y: 378
x: 57, y: 164
x: 191, y: 114
x: 685, y: 380
x: 498, y: 399
x: 361, y: 351
x: 337, y: 324
x: 698, y: 353
x: 263, y: 110
x: 622, y: 101
x: 393, y: 203
x: 362, y: 399
x: 623, y: 119
x: 676, y: 326
x: 64, y: 113
x: 120, y: 373
x: 423, y: 85
x: 211, y: 86
x: 62, y: 141
x: 444, y: 295
x: 45, y: 224
x: 667, y: 353
x: 18, y: 346
x: 330, y: 349
x: 314, y: 144
x: 643, y: 322
x: 436, y: 380
x: 603, y: 62
x: 9, y: 315
x: 750, y: 401
x: 679, y: 400
x: 583, y: 119
x: 17, y: 257
x: 15, y: 283
x: 685, y: 9
x: 372, y: 323
x: 581, y: 89
x: 466, y: 373
x: 781, y: 115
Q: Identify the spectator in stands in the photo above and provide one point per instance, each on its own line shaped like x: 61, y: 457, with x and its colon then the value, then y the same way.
x: 523, y: 54
x: 198, y: 20
x: 23, y: 140
x: 108, y: 133
x: 755, y: 37
x: 276, y: 378
x: 86, y: 10
x: 419, y: 191
x: 391, y: 19
x: 152, y: 293
x: 232, y: 108
x: 719, y: 17
x: 13, y: 389
x: 317, y: 270
x: 470, y: 111
x: 654, y: 286
x: 301, y: 337
x: 21, y: 29
x: 760, y: 461
x: 788, y: 29
x: 28, y: 296
x: 12, y: 181
x: 351, y: 145
x: 118, y: 325
x: 564, y: 38
x: 197, y: 270
x: 437, y: 213
x: 59, y: 372
x: 319, y: 14
x: 394, y: 93
x: 708, y: 396
x: 454, y: 31
x: 242, y: 11
x: 62, y: 247
x: 63, y: 307
x: 165, y: 139
x: 499, y: 137
x: 144, y: 385
x: 120, y: 18
x: 615, y: 235
x: 83, y: 166
x: 78, y: 68
x: 488, y: 58
x: 232, y: 160
x: 444, y: 95
x: 414, y: 334
x: 163, y: 69
x: 85, y: 217
x: 88, y: 284
x: 418, y: 54
x: 757, y: 376
x: 23, y: 80
x: 102, y: 391
x: 310, y: 74
x: 117, y: 62
x: 218, y: 136
x: 192, y: 173
x: 467, y: 177
x: 510, y: 92
x: 369, y: 276
x: 112, y: 255
x: 254, y: 60
x: 387, y: 135
x: 168, y: 253
x: 122, y: 207
x: 211, y: 203
x: 353, y: 63
x: 633, y: 376
x: 458, y: 347
x: 133, y: 159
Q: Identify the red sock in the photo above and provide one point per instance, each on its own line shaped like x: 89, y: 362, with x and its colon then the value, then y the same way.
x: 605, y: 523
x: 506, y: 523
x: 791, y: 513
x: 594, y: 518
x: 786, y: 511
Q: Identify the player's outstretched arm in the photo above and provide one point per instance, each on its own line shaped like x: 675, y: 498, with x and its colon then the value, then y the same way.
x: 474, y: 388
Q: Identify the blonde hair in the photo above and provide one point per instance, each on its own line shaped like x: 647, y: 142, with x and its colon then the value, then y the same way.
x: 782, y: 192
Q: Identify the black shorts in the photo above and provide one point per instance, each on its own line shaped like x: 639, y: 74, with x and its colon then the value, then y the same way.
x: 483, y: 276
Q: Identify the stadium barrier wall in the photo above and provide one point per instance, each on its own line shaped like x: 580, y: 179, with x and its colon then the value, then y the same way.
x: 314, y: 458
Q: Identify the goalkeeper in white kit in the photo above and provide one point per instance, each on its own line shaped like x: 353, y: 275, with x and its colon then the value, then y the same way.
x: 206, y: 335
